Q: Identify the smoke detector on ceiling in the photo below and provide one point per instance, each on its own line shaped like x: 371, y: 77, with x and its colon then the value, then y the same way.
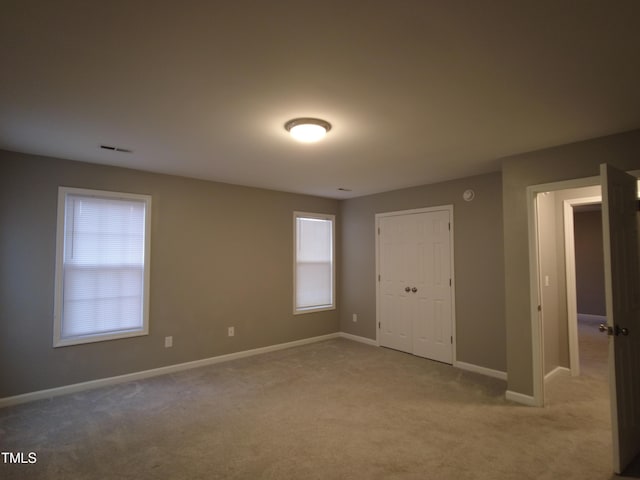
x: 468, y: 195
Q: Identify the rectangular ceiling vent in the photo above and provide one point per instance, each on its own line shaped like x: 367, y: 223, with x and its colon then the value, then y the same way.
x: 115, y: 149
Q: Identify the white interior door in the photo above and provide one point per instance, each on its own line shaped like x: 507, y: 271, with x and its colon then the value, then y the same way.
x: 394, y: 284
x: 622, y: 291
x: 415, y: 291
x: 432, y: 280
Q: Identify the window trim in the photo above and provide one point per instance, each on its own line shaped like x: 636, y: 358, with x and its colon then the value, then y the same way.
x: 320, y: 216
x: 59, y: 267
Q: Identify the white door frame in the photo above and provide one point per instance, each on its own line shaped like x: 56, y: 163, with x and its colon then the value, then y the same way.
x: 448, y: 208
x: 534, y: 277
x: 570, y: 273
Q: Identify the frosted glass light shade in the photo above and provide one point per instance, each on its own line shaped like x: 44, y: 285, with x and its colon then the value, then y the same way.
x: 307, y: 130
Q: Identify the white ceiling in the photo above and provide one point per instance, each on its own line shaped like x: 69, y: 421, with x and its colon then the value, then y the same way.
x: 417, y: 91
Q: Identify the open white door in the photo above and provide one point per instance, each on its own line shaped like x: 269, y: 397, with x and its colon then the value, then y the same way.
x: 622, y: 291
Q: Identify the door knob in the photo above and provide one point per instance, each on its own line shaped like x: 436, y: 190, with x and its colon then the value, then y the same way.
x: 407, y: 289
x: 605, y: 328
x: 613, y: 330
x: 414, y: 289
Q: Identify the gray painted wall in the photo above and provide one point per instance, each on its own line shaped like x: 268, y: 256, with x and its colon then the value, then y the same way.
x: 195, y: 294
x: 554, y: 323
x: 577, y: 160
x: 589, y: 262
x: 478, y: 258
x: 221, y: 255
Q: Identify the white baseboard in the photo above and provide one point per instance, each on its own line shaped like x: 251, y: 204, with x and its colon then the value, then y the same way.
x: 357, y: 338
x: 557, y: 371
x: 521, y: 398
x: 103, y: 382
x: 481, y: 370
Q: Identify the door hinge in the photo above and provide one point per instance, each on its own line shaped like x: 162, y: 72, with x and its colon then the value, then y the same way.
x: 539, y: 308
x: 452, y: 340
x: 449, y: 226
x: 379, y: 326
x: 378, y: 277
x: 449, y: 282
x: 378, y: 230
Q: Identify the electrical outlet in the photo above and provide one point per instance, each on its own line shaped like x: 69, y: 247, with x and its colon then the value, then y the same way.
x: 355, y: 317
x: 231, y: 331
x: 168, y: 342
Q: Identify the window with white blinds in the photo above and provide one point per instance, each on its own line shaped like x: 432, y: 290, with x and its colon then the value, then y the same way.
x: 102, y: 266
x: 314, y: 271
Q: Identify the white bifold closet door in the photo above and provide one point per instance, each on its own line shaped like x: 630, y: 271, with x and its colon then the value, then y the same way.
x: 415, y: 298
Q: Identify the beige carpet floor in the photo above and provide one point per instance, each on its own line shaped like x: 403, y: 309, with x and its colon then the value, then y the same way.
x: 331, y: 410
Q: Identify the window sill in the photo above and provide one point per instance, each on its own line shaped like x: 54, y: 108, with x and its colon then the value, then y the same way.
x: 66, y: 342
x: 324, y: 308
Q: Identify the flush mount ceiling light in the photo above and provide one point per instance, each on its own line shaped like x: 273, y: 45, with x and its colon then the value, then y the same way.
x: 307, y: 130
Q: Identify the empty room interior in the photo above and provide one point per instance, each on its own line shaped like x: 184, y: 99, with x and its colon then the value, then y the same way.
x: 298, y: 240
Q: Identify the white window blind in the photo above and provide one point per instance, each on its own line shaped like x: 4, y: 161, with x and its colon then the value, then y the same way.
x: 314, y: 269
x: 101, y: 290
